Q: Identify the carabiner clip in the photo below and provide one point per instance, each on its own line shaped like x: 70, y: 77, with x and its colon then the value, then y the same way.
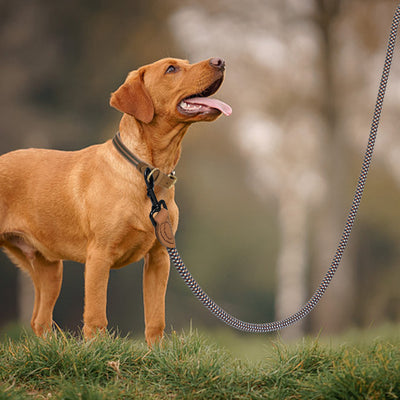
x: 155, y: 204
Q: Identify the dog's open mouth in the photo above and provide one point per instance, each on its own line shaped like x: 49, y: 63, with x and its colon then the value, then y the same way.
x: 201, y: 103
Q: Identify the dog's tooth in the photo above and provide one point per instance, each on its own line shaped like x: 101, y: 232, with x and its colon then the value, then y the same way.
x: 189, y: 107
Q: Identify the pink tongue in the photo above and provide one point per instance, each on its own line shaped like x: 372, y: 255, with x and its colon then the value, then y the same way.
x: 212, y: 103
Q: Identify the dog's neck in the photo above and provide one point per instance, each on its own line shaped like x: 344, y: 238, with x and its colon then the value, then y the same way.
x: 145, y: 141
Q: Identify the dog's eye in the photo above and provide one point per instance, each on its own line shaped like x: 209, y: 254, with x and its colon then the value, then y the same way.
x: 171, y: 69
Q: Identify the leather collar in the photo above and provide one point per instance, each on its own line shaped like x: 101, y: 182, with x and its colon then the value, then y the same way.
x: 160, y: 179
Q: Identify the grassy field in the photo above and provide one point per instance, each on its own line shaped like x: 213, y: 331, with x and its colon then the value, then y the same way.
x: 192, y: 366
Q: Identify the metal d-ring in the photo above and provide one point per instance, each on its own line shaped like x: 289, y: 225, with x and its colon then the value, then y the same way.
x: 150, y: 174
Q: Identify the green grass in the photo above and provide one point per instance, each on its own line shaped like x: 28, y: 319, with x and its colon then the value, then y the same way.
x: 191, y: 366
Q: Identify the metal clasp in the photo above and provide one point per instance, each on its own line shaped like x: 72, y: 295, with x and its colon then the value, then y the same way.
x: 155, y: 204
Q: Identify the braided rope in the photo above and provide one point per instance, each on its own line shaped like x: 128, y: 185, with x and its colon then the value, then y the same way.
x: 274, y: 326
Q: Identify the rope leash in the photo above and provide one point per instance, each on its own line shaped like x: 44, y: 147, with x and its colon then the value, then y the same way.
x: 168, y: 241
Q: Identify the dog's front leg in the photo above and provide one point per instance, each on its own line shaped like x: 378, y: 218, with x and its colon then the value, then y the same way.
x: 97, y: 271
x: 155, y: 279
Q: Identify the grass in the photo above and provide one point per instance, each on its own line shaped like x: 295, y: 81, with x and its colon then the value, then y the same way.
x: 191, y: 366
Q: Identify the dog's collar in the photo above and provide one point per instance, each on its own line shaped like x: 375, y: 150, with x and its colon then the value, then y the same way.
x: 160, y: 179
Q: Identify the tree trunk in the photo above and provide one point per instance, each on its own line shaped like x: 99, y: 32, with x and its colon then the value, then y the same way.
x: 335, y: 310
x: 292, y: 262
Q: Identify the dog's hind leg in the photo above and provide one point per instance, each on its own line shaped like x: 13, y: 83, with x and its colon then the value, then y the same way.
x: 46, y: 277
x: 21, y: 261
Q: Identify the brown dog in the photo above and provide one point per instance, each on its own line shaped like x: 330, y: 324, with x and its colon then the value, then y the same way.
x: 91, y: 205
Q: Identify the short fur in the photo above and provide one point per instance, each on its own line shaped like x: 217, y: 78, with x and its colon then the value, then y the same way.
x: 90, y: 205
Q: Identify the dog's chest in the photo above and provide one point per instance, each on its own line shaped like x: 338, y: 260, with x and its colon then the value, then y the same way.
x: 133, y: 248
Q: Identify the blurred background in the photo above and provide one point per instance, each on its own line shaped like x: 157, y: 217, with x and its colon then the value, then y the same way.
x: 274, y: 181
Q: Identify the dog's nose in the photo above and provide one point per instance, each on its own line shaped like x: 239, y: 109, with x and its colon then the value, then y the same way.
x: 217, y: 63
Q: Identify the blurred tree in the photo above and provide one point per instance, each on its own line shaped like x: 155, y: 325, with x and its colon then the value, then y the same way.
x: 361, y: 33
x: 335, y: 311
x: 349, y: 32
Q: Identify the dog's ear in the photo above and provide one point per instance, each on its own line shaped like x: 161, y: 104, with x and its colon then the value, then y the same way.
x: 132, y: 98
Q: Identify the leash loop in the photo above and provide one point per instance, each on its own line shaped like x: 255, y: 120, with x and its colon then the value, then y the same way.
x: 313, y: 301
x: 159, y: 215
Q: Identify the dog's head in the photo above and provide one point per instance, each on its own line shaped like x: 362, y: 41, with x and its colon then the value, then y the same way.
x: 173, y: 89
